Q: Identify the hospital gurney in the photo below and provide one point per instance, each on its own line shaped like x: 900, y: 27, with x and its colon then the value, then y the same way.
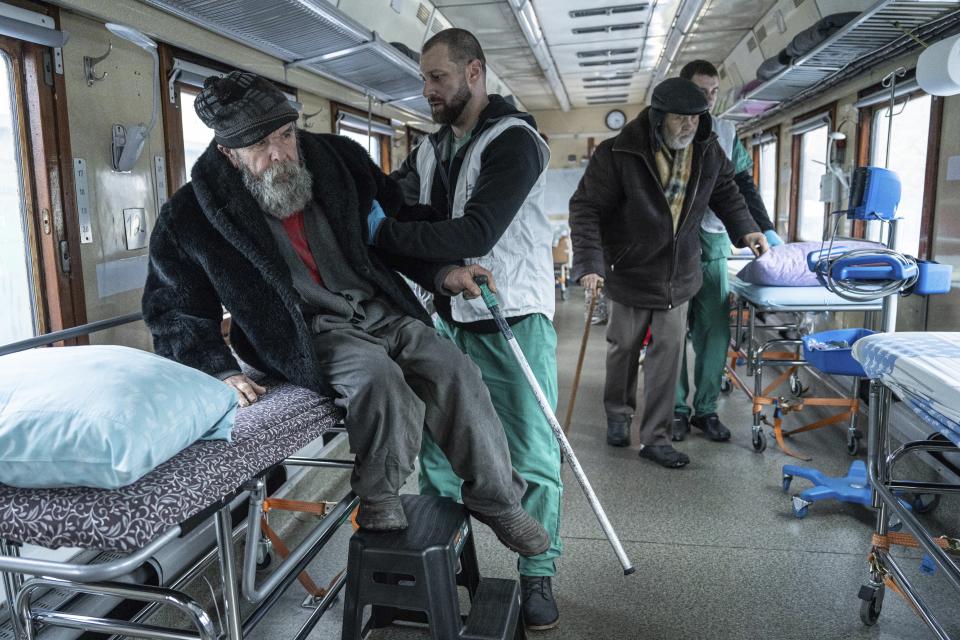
x: 923, y: 369
x: 139, y: 521
x: 758, y: 351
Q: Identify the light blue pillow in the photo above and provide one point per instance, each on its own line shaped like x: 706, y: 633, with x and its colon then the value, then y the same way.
x: 102, y: 416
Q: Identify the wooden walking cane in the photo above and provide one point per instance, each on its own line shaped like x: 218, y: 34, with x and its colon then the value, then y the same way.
x: 583, y: 351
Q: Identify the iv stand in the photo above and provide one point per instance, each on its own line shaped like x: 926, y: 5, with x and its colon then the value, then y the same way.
x: 889, y: 321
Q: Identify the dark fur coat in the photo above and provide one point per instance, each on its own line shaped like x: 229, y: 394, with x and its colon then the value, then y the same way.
x: 211, y: 246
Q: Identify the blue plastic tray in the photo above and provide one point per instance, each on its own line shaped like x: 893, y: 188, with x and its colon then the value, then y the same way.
x: 835, y: 361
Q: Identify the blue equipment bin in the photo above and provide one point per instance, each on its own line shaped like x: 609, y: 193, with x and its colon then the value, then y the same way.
x: 934, y: 278
x: 835, y: 361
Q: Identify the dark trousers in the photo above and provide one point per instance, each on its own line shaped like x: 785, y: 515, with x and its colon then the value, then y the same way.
x: 626, y: 329
x: 400, y: 377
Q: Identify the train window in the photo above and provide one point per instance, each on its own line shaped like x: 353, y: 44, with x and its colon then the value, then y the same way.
x: 371, y: 143
x: 810, y: 210
x: 765, y: 161
x: 41, y: 280
x: 908, y: 157
x: 195, y: 135
x: 374, y: 135
x: 16, y: 262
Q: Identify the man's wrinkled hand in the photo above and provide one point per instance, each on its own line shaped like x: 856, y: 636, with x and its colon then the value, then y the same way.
x: 757, y: 242
x: 591, y: 282
x: 247, y: 390
x: 460, y: 280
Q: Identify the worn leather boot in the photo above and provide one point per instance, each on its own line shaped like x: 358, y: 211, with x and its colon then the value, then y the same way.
x: 665, y: 456
x: 517, y: 531
x: 539, y: 607
x: 382, y: 514
x: 618, y: 432
x: 712, y: 427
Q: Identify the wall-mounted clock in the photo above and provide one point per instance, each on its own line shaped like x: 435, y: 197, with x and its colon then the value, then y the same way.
x: 615, y: 119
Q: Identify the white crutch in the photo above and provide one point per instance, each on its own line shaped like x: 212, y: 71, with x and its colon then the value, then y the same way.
x: 491, y: 301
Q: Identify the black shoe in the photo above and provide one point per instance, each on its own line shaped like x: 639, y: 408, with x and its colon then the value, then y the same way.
x: 681, y: 427
x: 382, y: 514
x: 618, y: 433
x: 665, y: 456
x: 517, y: 530
x: 712, y: 427
x: 539, y: 607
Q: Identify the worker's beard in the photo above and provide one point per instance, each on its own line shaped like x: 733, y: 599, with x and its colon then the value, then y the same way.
x: 282, y: 189
x: 449, y: 112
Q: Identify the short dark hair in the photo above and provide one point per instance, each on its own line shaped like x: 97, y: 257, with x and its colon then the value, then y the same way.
x: 462, y: 45
x: 699, y: 68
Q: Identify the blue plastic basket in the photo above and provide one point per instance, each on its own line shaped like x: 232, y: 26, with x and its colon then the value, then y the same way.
x: 835, y: 361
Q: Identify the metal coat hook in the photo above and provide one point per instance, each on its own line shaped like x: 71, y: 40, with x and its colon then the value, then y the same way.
x: 307, y: 116
x: 89, y: 63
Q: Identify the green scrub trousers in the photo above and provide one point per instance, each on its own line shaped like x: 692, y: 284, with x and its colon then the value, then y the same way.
x: 534, y: 451
x: 709, y: 322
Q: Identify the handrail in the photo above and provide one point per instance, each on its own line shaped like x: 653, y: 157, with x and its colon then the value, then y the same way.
x: 73, y: 332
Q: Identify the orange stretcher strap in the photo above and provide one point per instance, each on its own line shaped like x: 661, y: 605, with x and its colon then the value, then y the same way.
x: 318, y: 508
x: 951, y: 545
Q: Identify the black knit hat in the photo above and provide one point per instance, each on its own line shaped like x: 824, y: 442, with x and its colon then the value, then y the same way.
x: 242, y: 108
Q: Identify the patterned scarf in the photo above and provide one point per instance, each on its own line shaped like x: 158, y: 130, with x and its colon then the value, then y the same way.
x: 674, y: 165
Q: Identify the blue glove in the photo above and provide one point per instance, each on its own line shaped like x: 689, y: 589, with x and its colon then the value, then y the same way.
x: 374, y: 219
x: 772, y: 238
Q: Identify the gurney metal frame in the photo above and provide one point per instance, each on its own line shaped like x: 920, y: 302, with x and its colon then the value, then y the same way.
x: 784, y: 352
x: 102, y: 579
x: 885, y: 571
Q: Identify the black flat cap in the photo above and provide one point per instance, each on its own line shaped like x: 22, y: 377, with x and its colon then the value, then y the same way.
x: 680, y: 96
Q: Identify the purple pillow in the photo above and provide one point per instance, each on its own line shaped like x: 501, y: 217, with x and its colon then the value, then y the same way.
x: 786, y: 265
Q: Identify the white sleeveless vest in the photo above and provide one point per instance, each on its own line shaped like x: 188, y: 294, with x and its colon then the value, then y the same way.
x: 522, y: 259
x: 727, y: 136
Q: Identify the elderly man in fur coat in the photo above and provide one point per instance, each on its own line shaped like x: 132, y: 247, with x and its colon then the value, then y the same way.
x: 272, y: 227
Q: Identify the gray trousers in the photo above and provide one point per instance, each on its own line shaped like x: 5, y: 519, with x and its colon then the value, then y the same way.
x: 399, y: 377
x: 626, y: 329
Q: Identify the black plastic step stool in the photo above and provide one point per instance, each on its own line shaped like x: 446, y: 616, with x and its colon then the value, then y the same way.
x: 406, y: 574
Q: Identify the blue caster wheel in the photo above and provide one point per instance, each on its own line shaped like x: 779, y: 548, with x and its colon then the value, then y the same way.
x: 800, y: 513
x: 786, y: 483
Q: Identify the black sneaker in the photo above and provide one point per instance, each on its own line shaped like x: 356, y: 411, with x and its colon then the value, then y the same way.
x: 681, y: 427
x: 665, y: 456
x: 539, y: 607
x: 518, y: 531
x: 618, y: 433
x: 382, y: 515
x: 711, y: 426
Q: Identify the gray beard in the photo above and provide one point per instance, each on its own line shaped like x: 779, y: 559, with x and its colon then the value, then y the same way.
x: 676, y: 143
x: 281, y: 190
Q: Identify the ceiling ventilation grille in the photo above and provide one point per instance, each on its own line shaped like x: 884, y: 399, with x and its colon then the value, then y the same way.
x: 609, y: 28
x: 751, y: 44
x: 606, y: 100
x: 608, y: 11
x: 797, y: 3
x: 606, y: 85
x: 607, y: 63
x: 761, y: 33
x: 423, y: 13
x: 607, y: 53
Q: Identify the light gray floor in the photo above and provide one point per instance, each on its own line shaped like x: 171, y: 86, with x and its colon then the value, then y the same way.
x: 717, y: 549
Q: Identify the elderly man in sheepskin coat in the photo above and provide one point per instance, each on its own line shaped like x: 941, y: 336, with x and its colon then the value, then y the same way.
x: 273, y: 227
